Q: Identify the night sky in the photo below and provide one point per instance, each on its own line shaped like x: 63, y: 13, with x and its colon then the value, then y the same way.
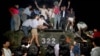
x: 87, y: 11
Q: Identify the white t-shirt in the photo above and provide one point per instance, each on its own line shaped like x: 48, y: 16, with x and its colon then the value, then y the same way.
x: 82, y: 25
x: 27, y: 23
x: 7, y: 52
x: 56, y: 47
x: 95, y: 51
x: 63, y: 13
x: 43, y: 12
x: 27, y: 11
x: 34, y: 23
x: 41, y: 21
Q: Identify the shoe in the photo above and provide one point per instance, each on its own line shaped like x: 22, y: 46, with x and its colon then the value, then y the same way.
x: 54, y: 28
x: 60, y: 28
x: 65, y: 29
x: 28, y: 45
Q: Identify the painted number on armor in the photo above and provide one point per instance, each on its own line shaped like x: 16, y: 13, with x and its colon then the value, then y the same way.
x: 48, y: 41
x: 53, y: 40
x: 43, y: 40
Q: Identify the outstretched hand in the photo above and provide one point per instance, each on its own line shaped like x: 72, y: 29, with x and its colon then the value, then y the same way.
x: 68, y: 2
x: 35, y: 2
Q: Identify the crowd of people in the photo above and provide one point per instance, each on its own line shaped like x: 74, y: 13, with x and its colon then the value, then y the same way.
x: 57, y: 17
x: 63, y: 48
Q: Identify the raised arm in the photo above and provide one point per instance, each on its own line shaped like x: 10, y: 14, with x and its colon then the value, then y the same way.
x: 68, y: 4
x: 60, y: 3
x: 37, y: 5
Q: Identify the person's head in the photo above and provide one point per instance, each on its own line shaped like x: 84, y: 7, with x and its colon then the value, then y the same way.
x: 62, y: 39
x: 6, y: 43
x: 44, y: 6
x: 69, y: 2
x: 49, y: 9
x: 95, y: 30
x: 42, y: 17
x: 30, y: 6
x: 56, y: 3
x: 24, y: 41
x: 71, y: 9
x: 31, y: 9
x: 64, y: 7
x: 36, y: 16
x: 96, y: 41
x: 17, y: 6
x: 77, y: 40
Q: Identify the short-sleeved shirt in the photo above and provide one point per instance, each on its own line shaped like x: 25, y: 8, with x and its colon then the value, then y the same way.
x: 96, y: 34
x: 95, y: 51
x: 14, y: 10
x: 27, y: 23
x: 27, y: 11
x: 34, y: 23
x: 56, y: 10
x: 7, y: 52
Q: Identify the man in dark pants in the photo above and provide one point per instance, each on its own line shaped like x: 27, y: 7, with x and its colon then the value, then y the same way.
x: 63, y: 46
x: 63, y: 17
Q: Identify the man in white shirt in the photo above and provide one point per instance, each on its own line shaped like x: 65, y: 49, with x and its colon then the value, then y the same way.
x: 26, y: 13
x: 34, y: 31
x: 26, y: 26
